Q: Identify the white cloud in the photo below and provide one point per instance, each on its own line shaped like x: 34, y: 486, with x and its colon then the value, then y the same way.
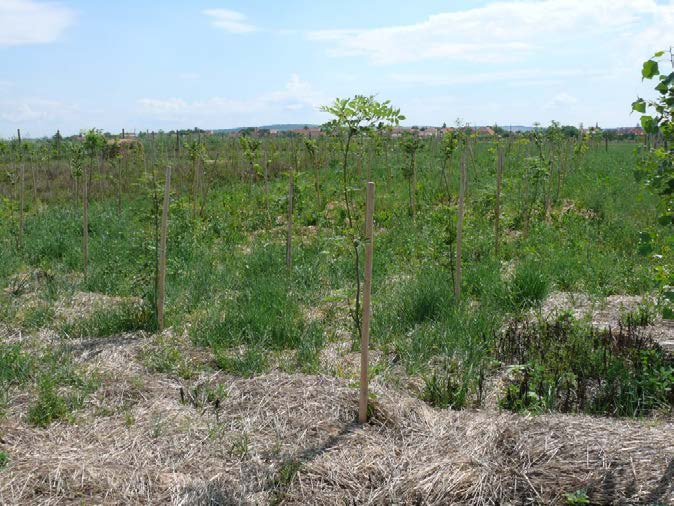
x: 296, y: 95
x: 498, y: 32
x: 562, y: 99
x: 31, y: 22
x: 36, y: 109
x: 230, y: 21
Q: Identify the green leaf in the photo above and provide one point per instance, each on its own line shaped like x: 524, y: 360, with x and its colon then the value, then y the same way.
x: 669, y: 295
x: 665, y: 219
x: 639, y: 105
x: 662, y: 87
x: 649, y: 124
x: 658, y: 54
x: 645, y: 249
x: 650, y: 69
x: 667, y: 313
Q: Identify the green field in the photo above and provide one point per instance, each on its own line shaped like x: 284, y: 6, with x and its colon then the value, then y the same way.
x: 575, y: 220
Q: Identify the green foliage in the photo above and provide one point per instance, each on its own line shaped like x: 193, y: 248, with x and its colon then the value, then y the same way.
x: 529, y: 285
x: 447, y: 388
x: 60, y: 389
x: 251, y: 362
x: 125, y: 316
x: 576, y: 498
x: 566, y: 366
x: 16, y: 366
x: 4, y: 460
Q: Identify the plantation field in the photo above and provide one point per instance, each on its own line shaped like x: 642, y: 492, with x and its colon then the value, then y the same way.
x: 534, y: 365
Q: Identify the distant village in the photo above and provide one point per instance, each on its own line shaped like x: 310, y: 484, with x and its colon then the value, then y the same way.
x: 423, y: 132
x: 313, y: 131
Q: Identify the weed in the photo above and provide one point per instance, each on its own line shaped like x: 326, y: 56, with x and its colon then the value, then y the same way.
x: 252, y: 361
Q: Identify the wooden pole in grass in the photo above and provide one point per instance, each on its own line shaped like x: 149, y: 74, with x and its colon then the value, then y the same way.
x: 497, y: 211
x: 289, y: 236
x: 367, y: 291
x: 21, y: 188
x: 459, y: 229
x: 161, y: 282
x: 85, y: 219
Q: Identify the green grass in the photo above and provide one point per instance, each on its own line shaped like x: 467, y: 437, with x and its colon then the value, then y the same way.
x: 228, y: 288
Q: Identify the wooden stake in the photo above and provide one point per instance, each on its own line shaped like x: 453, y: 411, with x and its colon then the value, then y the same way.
x: 497, y: 211
x: 22, y: 178
x: 289, y: 237
x: 367, y: 292
x: 459, y: 230
x: 161, y: 282
x: 85, y: 219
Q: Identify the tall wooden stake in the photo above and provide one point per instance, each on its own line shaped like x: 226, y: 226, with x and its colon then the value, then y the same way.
x: 459, y: 230
x: 161, y: 282
x: 22, y: 174
x: 367, y: 292
x: 497, y: 212
x: 85, y: 219
x: 289, y: 237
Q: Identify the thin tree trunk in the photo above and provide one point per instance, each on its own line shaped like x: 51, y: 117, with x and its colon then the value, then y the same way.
x: 367, y: 292
x: 85, y: 220
x: 459, y: 230
x: 289, y: 236
x: 497, y: 212
x: 22, y: 177
x: 161, y: 281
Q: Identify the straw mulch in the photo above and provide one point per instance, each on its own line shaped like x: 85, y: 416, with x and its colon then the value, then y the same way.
x: 292, y: 439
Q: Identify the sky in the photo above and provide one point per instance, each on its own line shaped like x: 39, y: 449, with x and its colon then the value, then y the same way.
x: 142, y: 65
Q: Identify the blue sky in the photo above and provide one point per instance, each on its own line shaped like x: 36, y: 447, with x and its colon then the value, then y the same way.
x: 218, y: 64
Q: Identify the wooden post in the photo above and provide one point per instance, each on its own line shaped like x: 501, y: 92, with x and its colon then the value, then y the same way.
x: 413, y: 194
x: 459, y: 229
x: 85, y: 219
x: 497, y: 211
x: 289, y: 237
x: 22, y: 179
x: 367, y: 292
x: 161, y: 282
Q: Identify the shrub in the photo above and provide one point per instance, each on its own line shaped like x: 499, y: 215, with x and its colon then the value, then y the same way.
x: 566, y: 366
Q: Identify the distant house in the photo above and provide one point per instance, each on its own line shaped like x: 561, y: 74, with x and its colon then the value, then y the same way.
x: 398, y: 131
x: 428, y: 132
x: 485, y: 131
x: 309, y: 132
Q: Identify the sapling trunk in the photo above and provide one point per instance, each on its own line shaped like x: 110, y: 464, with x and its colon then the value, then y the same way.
x: 317, y: 171
x: 367, y: 291
x: 413, y: 191
x: 21, y: 190
x: 497, y: 205
x: 459, y: 229
x: 85, y: 220
x: 161, y: 280
x: 33, y: 170
x: 289, y: 235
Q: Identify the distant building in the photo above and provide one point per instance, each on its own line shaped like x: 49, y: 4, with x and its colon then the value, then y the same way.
x: 309, y: 132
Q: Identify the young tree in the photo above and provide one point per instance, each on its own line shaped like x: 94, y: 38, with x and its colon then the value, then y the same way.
x: 656, y: 167
x: 411, y: 143
x: 352, y: 118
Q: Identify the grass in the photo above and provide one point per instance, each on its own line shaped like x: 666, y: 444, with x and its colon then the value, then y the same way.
x: 229, y: 291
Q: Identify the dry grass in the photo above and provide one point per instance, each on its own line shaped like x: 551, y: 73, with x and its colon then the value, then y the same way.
x: 291, y: 438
